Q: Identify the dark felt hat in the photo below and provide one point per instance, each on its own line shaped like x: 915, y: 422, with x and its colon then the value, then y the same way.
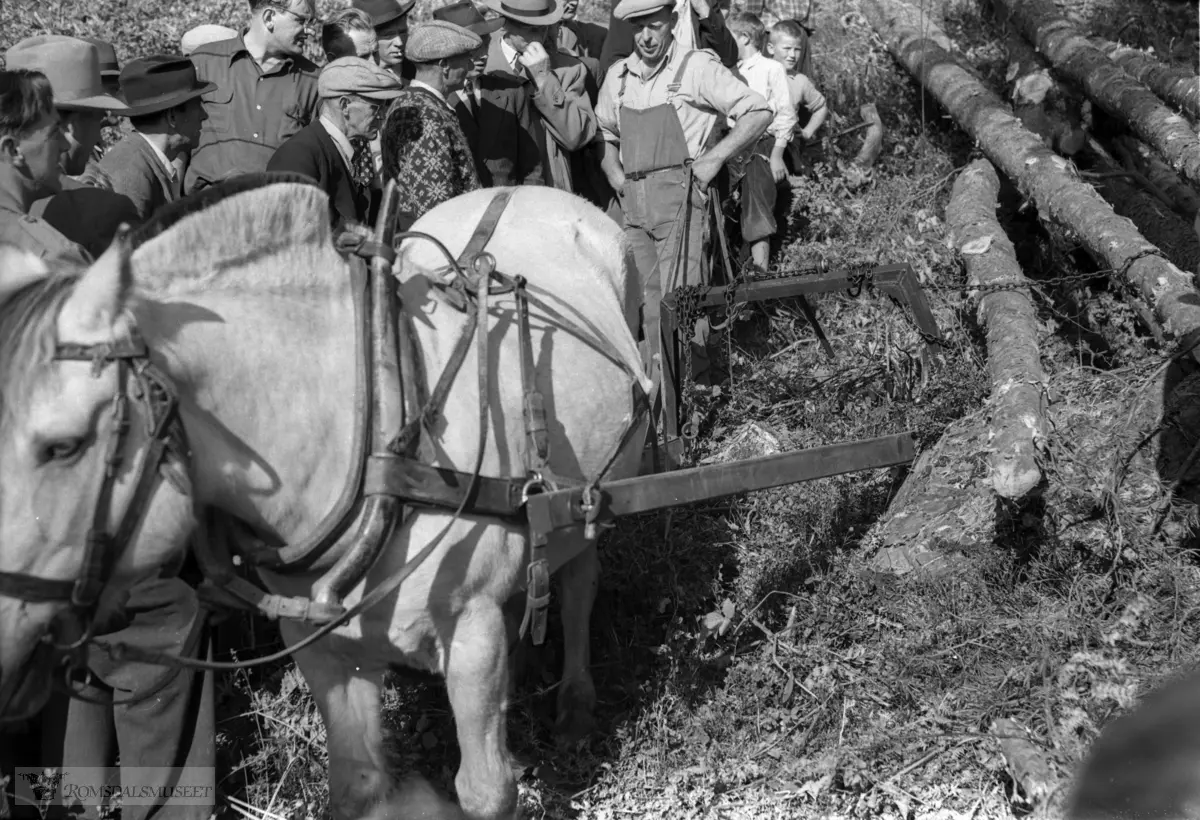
x: 384, y: 11
x: 465, y: 14
x: 161, y: 81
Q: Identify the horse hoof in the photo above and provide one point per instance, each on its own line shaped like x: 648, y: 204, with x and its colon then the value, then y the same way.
x: 416, y: 799
x: 573, y: 726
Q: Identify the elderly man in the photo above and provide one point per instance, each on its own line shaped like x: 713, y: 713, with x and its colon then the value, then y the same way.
x: 266, y: 91
x: 657, y: 111
x: 390, y: 18
x: 424, y: 148
x: 353, y: 95
x: 532, y: 108
x: 165, y: 113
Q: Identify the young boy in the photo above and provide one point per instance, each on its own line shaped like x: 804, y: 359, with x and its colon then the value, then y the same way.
x: 789, y: 47
x: 761, y: 167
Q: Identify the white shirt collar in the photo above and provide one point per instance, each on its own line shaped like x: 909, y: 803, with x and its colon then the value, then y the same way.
x: 430, y: 89
x: 510, y: 54
x: 751, y: 60
x: 340, y: 140
x: 162, y: 158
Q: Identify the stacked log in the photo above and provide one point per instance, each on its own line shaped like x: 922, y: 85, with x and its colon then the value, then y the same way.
x: 1046, y: 178
x: 1018, y: 400
x: 1178, y: 87
x: 1107, y: 84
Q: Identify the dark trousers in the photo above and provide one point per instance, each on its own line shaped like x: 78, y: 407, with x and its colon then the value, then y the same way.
x: 165, y: 739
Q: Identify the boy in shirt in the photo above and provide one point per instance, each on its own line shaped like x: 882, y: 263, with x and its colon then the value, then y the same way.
x: 788, y: 46
x: 761, y: 167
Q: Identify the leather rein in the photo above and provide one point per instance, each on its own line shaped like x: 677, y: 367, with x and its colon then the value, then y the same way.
x: 72, y: 629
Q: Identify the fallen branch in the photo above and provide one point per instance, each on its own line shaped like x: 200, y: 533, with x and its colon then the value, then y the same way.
x: 1136, y: 156
x: 1178, y: 87
x: 1018, y: 400
x: 1107, y: 84
x: 1028, y: 765
x: 1049, y: 180
x: 873, y: 141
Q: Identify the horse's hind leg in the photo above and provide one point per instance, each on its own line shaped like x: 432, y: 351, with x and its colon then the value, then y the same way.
x: 477, y: 682
x: 347, y: 691
x: 577, y: 693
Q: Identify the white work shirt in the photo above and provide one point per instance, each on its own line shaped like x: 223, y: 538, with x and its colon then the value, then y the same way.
x: 770, y: 79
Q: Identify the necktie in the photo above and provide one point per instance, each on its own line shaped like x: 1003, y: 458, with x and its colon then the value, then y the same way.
x: 362, y: 166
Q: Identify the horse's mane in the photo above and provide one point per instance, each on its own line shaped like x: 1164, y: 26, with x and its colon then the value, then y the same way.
x: 185, y: 246
x: 193, y: 244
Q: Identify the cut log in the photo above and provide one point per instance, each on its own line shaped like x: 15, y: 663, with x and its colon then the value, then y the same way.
x: 873, y: 141
x: 1177, y: 86
x: 1043, y: 104
x: 1046, y: 178
x: 1135, y: 156
x: 1107, y: 84
x: 1018, y: 401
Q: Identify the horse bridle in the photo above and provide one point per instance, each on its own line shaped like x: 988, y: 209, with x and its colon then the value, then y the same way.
x: 104, y: 545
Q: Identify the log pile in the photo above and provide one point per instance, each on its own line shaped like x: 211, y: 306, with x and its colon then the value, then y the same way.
x: 948, y: 507
x: 1178, y: 87
x: 1046, y: 178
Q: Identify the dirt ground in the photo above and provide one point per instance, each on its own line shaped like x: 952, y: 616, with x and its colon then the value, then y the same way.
x: 750, y: 659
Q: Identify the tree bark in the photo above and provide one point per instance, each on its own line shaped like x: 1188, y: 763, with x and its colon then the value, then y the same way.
x: 1107, y: 84
x: 1045, y: 106
x: 1040, y: 174
x: 1018, y: 401
x: 1177, y: 86
x: 1135, y: 156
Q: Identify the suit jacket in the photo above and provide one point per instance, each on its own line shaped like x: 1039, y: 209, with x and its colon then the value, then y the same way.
x: 135, y: 171
x: 584, y: 42
x: 524, y: 136
x: 312, y: 152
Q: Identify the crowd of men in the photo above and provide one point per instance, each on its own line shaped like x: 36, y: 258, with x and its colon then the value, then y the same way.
x: 651, y: 119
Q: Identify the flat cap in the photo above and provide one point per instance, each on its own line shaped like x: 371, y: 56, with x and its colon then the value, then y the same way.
x: 204, y: 34
x: 438, y: 40
x: 354, y: 75
x: 628, y: 9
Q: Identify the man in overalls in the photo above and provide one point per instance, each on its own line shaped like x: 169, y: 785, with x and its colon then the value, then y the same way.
x: 657, y: 111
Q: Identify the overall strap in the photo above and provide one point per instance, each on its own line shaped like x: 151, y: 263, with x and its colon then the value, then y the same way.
x: 624, y: 77
x: 673, y: 86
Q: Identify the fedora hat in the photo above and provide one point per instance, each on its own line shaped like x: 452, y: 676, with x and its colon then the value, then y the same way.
x: 156, y: 83
x: 531, y: 12
x: 384, y: 11
x: 109, y: 67
x: 71, y: 65
x: 466, y: 15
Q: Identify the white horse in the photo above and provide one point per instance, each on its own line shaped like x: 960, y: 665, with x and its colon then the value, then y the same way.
x: 247, y: 307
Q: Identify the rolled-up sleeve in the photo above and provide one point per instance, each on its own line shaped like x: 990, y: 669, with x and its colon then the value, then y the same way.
x: 720, y: 89
x: 607, y: 115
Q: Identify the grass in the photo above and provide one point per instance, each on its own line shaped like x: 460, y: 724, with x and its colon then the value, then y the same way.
x: 749, y: 660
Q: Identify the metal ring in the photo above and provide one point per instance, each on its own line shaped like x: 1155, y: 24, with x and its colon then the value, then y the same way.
x: 535, y: 482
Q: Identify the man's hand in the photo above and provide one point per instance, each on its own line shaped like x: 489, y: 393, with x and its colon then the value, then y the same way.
x: 616, y: 179
x: 536, y: 62
x: 702, y: 8
x: 706, y: 168
x: 778, y: 169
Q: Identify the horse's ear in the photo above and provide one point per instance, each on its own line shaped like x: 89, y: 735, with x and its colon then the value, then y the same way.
x: 100, y: 295
x: 18, y: 268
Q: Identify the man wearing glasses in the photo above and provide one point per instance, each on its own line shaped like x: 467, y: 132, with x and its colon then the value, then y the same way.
x: 266, y: 91
x: 354, y: 93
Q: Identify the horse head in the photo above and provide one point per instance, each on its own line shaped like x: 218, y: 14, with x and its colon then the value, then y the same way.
x: 84, y: 431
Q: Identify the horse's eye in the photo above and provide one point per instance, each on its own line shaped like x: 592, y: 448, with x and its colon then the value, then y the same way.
x: 61, y: 450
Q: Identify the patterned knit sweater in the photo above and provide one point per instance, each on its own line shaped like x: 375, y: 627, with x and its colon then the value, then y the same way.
x: 426, y: 152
